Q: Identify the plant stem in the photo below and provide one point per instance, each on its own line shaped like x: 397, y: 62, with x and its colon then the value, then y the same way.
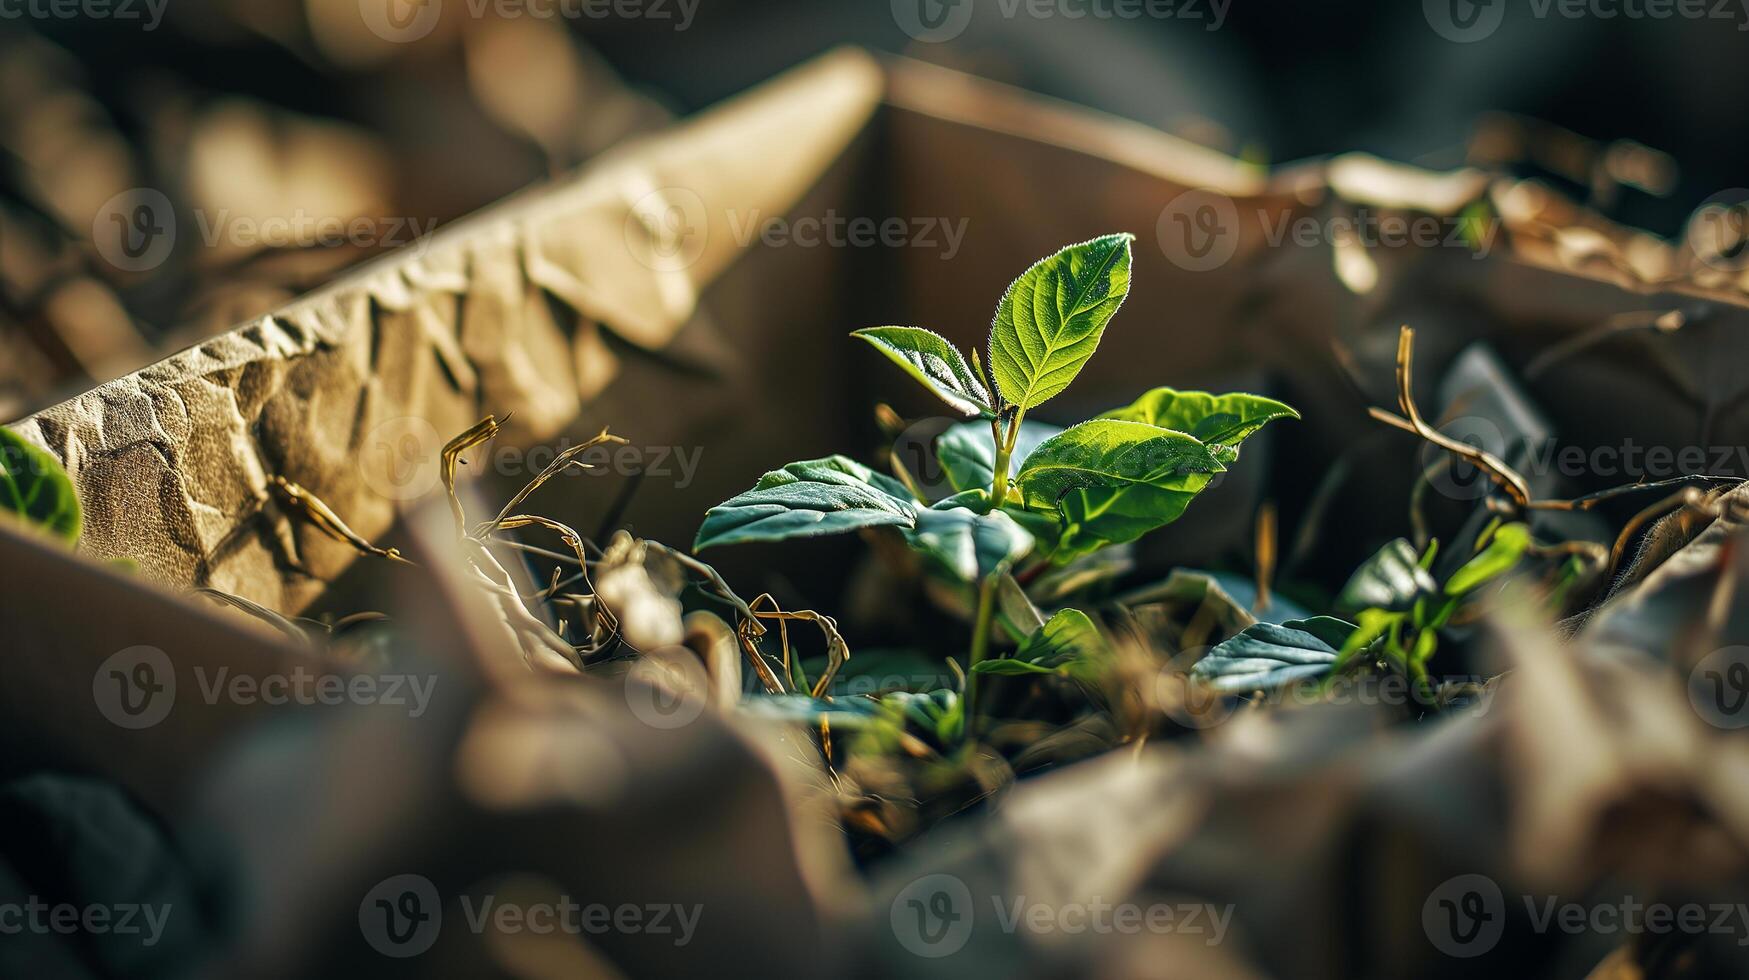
x: 986, y: 612
x: 999, y: 485
x: 1005, y: 443
x: 980, y: 644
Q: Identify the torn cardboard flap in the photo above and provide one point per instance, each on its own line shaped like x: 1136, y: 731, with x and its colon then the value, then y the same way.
x: 352, y: 391
x: 536, y: 306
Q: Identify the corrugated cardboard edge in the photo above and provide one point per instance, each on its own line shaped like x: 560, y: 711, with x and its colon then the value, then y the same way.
x: 351, y: 391
x: 1547, y: 232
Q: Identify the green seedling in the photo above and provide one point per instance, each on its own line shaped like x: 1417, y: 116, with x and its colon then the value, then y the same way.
x: 1023, y: 491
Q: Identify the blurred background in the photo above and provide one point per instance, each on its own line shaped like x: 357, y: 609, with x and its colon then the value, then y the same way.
x: 296, y: 138
x: 171, y: 168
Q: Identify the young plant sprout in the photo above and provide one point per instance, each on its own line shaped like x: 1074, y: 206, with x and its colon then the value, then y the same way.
x: 1024, y: 491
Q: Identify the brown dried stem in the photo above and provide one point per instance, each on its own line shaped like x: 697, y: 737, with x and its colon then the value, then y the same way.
x: 477, y: 433
x: 1493, y: 466
x: 325, y: 520
x: 560, y: 463
x: 837, y: 651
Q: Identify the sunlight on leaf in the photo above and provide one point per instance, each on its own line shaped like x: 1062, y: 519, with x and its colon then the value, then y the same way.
x: 1222, y: 421
x: 1052, y: 317
x: 935, y: 362
x: 808, y: 499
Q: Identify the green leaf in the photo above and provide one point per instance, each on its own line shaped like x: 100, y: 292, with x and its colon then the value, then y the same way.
x: 1051, y: 318
x: 1081, y: 575
x: 1112, y: 453
x: 968, y: 453
x: 1111, y: 481
x: 1014, y: 610
x: 33, y: 486
x: 1373, y: 624
x: 808, y: 499
x: 1220, y: 421
x: 936, y: 713
x: 967, y: 544
x: 1266, y: 656
x: 1098, y: 518
x: 1008, y: 667
x: 1330, y: 629
x: 933, y: 360
x: 1391, y: 580
x: 97, y: 846
x: 1505, y: 548
x: 1230, y: 599
x: 1068, y: 644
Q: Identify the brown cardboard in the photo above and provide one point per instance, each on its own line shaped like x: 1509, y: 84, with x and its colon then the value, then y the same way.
x: 639, y: 295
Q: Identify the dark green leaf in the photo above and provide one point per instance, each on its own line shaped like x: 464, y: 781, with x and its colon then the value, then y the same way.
x: 809, y: 499
x: 966, y: 544
x: 1044, y: 527
x: 933, y: 360
x: 1331, y: 630
x: 936, y: 712
x: 1230, y: 599
x: 1051, y: 318
x: 1080, y: 575
x: 1391, y: 580
x: 1267, y: 656
x: 1068, y: 644
x: 73, y: 841
x: 1016, y: 612
x: 968, y: 452
x: 1220, y: 421
x: 33, y: 486
x: 1007, y: 667
x: 1505, y: 547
